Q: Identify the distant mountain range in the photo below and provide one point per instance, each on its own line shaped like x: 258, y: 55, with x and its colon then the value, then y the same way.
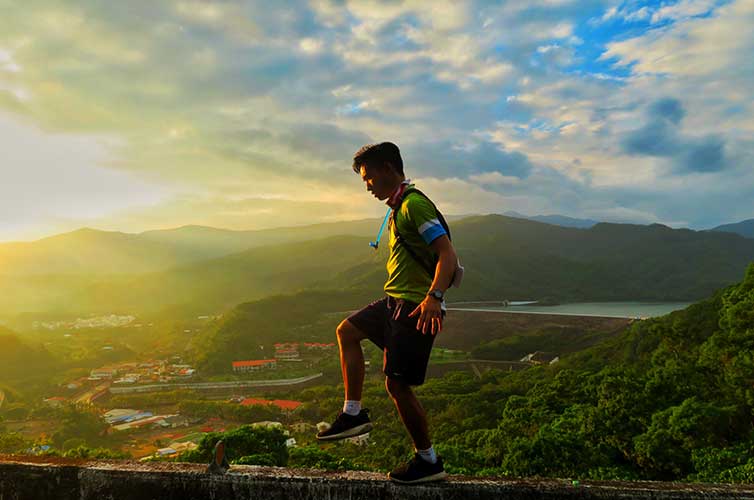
x: 100, y: 253
x: 556, y: 220
x: 744, y: 228
x: 505, y: 258
x: 93, y: 252
x: 510, y: 258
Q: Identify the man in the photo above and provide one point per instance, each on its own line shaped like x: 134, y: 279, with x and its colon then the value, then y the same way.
x: 405, y: 322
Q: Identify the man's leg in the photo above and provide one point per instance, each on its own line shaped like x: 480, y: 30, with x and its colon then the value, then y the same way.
x: 411, y: 411
x: 426, y: 465
x: 407, y: 353
x: 353, y: 420
x: 351, y: 359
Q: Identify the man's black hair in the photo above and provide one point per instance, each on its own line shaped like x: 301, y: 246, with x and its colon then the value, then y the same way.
x: 376, y: 155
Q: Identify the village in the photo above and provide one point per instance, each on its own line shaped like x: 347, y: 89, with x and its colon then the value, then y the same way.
x: 165, y: 434
x: 155, y: 409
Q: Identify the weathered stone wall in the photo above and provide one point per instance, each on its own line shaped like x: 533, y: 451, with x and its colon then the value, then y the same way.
x: 32, y: 478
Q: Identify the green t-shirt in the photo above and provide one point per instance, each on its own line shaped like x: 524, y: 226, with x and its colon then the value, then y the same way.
x: 419, y: 226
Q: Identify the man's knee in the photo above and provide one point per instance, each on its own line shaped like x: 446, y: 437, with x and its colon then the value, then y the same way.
x: 396, y: 388
x: 346, y: 332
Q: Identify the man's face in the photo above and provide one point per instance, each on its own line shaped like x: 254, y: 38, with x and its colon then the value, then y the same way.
x: 381, y: 182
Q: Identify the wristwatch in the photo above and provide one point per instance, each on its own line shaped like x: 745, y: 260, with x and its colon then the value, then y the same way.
x: 436, y: 294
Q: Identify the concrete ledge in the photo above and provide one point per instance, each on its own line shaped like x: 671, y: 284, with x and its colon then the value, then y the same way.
x: 31, y: 478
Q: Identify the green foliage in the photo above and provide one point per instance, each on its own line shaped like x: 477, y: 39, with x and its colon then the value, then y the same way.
x: 664, y: 450
x: 20, y: 358
x: 83, y: 451
x: 12, y: 442
x: 560, y: 339
x: 726, y: 465
x: 230, y: 411
x: 72, y: 443
x: 154, y: 399
x: 267, y: 444
x: 732, y: 349
x: 248, y: 326
x: 669, y: 398
x: 78, y: 422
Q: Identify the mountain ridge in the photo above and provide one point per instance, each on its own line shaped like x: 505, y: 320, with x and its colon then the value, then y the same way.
x: 505, y: 258
x: 745, y: 228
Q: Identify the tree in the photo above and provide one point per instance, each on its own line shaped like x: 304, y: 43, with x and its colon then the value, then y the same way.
x: 247, y: 440
x: 664, y: 450
x: 79, y: 422
x: 13, y: 442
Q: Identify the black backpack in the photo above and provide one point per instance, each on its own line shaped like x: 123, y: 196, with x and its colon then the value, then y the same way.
x: 429, y: 268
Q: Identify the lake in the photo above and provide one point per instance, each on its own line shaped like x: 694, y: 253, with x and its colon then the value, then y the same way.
x: 602, y: 309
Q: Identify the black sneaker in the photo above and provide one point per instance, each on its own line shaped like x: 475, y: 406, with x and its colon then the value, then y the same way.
x: 418, y: 470
x: 346, y: 425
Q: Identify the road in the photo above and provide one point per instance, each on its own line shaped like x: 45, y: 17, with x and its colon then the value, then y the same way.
x: 87, y: 396
x: 213, y: 385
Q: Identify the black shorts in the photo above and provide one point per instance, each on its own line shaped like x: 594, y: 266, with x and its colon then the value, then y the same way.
x: 405, y: 349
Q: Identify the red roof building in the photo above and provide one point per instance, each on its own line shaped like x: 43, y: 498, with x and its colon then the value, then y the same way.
x: 318, y: 345
x: 286, y: 351
x: 254, y: 364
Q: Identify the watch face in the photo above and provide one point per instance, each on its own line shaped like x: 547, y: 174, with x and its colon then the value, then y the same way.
x: 437, y: 294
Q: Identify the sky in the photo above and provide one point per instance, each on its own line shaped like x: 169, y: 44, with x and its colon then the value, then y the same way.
x: 142, y: 115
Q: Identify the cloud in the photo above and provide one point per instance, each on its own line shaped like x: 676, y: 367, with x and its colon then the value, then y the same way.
x: 48, y: 178
x: 631, y: 12
x: 237, y: 213
x: 701, y: 46
x: 683, y: 10
x: 656, y: 138
x: 457, y: 160
x: 525, y: 104
x: 703, y: 155
x: 667, y: 109
x: 493, y: 178
x: 661, y: 136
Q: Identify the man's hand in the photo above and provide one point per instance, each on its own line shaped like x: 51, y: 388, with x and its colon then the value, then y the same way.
x: 430, y: 316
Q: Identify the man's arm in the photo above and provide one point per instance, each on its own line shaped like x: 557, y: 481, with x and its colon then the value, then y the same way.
x: 430, y: 310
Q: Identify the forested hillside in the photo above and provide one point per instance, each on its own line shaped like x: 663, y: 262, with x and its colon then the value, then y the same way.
x: 671, y: 398
x: 243, y: 332
x: 19, y: 359
x: 744, y: 228
x: 313, y: 315
x: 513, y: 258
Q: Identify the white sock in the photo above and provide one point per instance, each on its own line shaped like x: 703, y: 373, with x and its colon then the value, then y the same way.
x: 428, y: 455
x: 352, y: 407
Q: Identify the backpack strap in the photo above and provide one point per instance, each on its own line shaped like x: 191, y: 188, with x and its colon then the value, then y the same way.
x: 429, y: 268
x: 439, y: 214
